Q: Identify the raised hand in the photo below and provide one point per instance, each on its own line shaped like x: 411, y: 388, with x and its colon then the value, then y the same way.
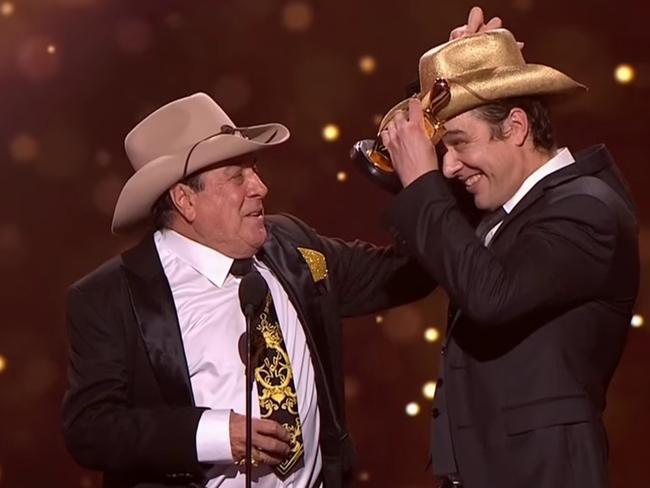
x: 476, y: 23
x: 411, y: 151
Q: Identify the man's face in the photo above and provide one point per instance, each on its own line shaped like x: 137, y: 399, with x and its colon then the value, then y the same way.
x: 489, y: 167
x: 229, y: 214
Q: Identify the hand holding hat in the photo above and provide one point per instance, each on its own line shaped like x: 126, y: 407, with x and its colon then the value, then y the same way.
x: 476, y: 23
x: 410, y: 148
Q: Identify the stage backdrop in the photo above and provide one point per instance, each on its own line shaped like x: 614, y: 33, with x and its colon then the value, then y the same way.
x: 76, y: 75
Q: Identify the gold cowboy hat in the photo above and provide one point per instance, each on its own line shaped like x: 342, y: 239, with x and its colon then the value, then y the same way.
x: 479, y: 69
x: 177, y: 140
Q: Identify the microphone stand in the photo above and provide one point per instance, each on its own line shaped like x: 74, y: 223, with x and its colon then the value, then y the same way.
x: 249, y: 394
x: 252, y: 291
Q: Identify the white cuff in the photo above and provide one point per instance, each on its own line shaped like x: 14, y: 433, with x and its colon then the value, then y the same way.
x: 213, y: 437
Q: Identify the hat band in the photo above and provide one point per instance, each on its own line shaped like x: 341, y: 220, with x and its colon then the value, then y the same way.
x: 225, y: 129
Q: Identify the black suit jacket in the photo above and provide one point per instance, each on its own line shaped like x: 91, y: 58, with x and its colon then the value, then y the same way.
x: 537, y: 326
x: 129, y: 410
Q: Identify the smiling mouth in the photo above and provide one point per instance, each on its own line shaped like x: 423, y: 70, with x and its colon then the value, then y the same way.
x: 472, y: 180
x: 256, y: 213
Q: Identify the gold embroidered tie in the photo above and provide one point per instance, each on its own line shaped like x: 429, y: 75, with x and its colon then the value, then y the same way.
x: 275, y: 385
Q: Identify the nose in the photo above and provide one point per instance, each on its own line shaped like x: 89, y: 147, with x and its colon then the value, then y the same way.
x: 451, y: 165
x: 256, y: 187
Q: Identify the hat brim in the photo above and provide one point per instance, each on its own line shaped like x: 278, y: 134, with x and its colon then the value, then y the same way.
x: 147, y: 184
x: 490, y: 85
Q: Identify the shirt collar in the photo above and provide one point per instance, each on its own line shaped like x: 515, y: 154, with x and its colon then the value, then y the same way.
x: 562, y: 158
x: 208, y: 262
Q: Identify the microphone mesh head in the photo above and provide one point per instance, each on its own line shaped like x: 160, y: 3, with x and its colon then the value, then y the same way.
x: 252, y: 291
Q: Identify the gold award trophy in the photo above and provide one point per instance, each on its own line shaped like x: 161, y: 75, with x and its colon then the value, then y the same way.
x: 372, y: 158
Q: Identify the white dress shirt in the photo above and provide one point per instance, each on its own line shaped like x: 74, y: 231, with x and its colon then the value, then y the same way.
x: 562, y: 158
x: 211, y: 321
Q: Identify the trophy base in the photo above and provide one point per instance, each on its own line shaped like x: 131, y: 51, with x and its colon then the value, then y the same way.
x: 361, y: 156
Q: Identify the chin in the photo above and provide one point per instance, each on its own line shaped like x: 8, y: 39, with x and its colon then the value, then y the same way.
x: 258, y: 239
x: 480, y: 204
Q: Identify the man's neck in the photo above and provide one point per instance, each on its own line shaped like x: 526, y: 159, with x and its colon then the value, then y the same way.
x: 535, y: 159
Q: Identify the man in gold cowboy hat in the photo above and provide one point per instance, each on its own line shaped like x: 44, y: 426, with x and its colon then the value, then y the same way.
x: 541, y: 292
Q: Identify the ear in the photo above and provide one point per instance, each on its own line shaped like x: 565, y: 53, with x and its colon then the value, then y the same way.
x: 184, y: 199
x: 515, y: 126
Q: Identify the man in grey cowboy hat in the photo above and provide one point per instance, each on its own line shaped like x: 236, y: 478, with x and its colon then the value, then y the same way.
x: 541, y: 292
x: 156, y: 393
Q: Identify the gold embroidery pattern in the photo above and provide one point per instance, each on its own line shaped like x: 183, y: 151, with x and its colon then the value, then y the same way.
x: 276, y: 390
x: 316, y: 262
x: 295, y: 434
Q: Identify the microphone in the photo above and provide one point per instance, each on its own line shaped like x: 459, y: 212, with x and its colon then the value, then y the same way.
x: 252, y: 293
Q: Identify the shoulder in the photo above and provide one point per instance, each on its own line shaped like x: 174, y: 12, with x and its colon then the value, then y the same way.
x: 111, y: 275
x: 590, y: 193
x: 286, y: 226
x: 590, y: 203
x: 104, y: 273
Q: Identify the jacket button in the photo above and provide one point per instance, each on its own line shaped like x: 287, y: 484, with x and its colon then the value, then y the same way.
x: 443, y: 350
x: 435, y: 412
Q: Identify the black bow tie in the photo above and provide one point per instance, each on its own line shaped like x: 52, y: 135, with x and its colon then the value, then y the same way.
x: 488, y: 223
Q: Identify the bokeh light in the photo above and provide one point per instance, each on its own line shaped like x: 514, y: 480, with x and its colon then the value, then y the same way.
x: 34, y: 62
x: 341, y: 177
x: 51, y: 49
x: 367, y: 64
x: 24, y: 148
x: 637, y: 321
x: 522, y: 5
x: 103, y: 158
x: 364, y: 476
x: 3, y: 363
x: 13, y: 249
x: 297, y: 16
x: 431, y: 334
x: 429, y: 390
x: 7, y: 9
x: 352, y: 387
x: 331, y: 132
x: 379, y: 319
x: 403, y: 324
x: 412, y: 409
x: 174, y: 20
x: 624, y: 74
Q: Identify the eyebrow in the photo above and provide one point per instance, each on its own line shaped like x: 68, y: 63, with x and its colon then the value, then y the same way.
x: 453, y: 136
x: 454, y: 132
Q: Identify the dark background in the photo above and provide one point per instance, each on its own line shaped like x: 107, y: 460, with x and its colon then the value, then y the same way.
x: 64, y: 115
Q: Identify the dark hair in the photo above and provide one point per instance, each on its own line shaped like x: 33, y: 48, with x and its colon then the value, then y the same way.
x: 538, y: 118
x: 163, y: 210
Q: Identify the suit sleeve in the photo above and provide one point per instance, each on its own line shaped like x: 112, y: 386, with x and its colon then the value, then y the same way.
x: 563, y: 255
x: 368, y: 278
x: 102, y: 428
